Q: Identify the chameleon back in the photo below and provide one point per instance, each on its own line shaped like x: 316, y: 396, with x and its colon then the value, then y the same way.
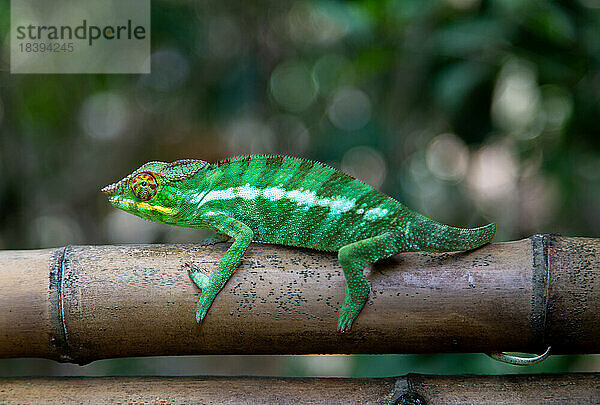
x: 293, y: 201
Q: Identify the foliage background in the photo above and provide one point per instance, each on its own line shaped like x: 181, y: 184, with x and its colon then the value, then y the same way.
x: 469, y: 111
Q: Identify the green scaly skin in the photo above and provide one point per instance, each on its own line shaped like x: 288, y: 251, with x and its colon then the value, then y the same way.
x: 288, y: 201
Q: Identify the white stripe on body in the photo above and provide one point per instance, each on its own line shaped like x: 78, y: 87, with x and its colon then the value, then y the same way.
x: 337, y: 205
x: 305, y: 198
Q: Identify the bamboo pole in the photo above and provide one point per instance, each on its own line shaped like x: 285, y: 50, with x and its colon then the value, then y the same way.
x: 428, y: 389
x: 83, y: 303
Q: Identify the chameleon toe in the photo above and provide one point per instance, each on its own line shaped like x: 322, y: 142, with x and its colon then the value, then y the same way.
x: 345, y: 322
x: 199, y: 278
x: 200, y: 315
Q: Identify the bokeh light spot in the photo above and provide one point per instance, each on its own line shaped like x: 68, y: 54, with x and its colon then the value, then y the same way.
x: 366, y: 164
x: 516, y: 99
x: 323, y: 24
x: 331, y: 71
x: 419, y: 181
x: 350, y: 109
x: 104, y: 115
x: 292, y: 86
x: 447, y: 157
x: 170, y: 69
x: 247, y: 135
x: 493, y: 172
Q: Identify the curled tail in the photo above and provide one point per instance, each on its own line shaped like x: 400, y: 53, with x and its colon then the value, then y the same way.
x: 426, y: 234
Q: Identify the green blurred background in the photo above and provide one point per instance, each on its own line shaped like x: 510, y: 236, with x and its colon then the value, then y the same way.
x: 469, y: 111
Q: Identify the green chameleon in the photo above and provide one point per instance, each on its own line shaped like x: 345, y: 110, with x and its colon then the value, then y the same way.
x: 288, y: 201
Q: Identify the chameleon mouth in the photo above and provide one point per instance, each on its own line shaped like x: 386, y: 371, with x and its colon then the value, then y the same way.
x: 117, y: 202
x: 125, y: 204
x: 113, y: 188
x: 110, y: 189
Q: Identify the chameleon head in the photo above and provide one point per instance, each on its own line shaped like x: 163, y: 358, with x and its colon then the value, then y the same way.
x: 154, y: 190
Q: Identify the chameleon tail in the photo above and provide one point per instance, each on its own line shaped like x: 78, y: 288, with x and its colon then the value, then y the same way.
x: 429, y: 235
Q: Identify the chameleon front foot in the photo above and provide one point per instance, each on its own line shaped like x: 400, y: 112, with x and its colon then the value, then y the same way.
x: 346, y: 319
x: 206, y: 299
x: 215, y: 238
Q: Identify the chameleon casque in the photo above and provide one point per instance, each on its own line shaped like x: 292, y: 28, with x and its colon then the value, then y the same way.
x: 288, y: 201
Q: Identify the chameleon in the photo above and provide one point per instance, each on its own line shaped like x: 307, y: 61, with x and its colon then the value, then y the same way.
x: 288, y: 201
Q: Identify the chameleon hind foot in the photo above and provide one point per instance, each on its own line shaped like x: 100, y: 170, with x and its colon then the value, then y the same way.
x: 347, y: 317
x: 354, y: 257
x: 199, y: 278
x: 350, y: 310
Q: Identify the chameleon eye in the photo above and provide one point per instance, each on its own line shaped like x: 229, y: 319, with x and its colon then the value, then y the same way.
x: 144, y: 186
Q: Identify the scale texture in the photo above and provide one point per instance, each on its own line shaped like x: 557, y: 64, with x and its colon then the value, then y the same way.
x: 288, y: 201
